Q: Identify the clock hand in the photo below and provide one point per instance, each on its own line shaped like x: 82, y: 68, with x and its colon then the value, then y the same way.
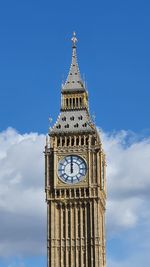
x: 71, y: 165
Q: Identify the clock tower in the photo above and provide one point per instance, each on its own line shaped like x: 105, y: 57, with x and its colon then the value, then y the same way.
x: 75, y: 182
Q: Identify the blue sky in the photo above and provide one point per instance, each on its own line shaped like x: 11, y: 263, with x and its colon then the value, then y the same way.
x: 114, y: 57
x: 113, y: 54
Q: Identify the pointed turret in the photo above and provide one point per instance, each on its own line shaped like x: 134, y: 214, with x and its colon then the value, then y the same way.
x: 74, y: 81
x: 74, y: 116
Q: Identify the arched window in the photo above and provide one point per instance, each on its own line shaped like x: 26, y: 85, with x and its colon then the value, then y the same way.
x: 63, y: 141
x: 70, y: 102
x: 64, y: 118
x: 72, y: 118
x: 93, y: 141
x: 87, y: 140
x: 67, y: 125
x: 76, y: 125
x: 82, y: 140
x: 80, y: 102
x: 58, y: 126
x: 77, y: 102
x: 74, y: 102
x: 68, y: 141
x: 58, y: 193
x: 72, y: 141
x: 80, y: 117
x: 58, y: 141
x: 67, y: 102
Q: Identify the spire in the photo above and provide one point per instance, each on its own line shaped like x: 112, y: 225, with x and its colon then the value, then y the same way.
x: 74, y: 81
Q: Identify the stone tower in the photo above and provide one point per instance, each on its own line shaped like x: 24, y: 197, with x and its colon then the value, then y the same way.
x: 75, y: 182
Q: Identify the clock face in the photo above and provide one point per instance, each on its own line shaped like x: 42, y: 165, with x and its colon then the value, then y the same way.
x: 72, y: 169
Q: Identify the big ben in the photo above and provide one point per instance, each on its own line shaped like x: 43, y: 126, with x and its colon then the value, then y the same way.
x: 75, y: 180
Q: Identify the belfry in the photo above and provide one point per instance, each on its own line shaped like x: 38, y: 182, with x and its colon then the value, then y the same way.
x: 75, y: 180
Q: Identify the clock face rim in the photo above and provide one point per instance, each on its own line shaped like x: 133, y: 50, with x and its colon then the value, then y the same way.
x: 73, y: 181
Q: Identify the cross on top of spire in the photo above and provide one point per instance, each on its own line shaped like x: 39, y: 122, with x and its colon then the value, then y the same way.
x: 74, y: 40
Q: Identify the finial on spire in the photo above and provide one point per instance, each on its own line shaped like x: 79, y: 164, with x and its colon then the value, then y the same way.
x: 74, y: 40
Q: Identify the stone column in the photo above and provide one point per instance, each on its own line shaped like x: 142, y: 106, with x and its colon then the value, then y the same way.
x: 91, y: 231
x: 81, y: 235
x: 76, y: 232
x: 103, y: 244
x: 52, y: 235
x: 72, y: 236
x: 66, y: 234
x: 48, y: 236
x: 61, y: 236
x: 98, y: 169
x: 47, y: 170
x: 98, y: 232
x: 86, y: 247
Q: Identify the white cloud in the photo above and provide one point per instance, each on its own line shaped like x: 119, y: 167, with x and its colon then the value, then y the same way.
x: 22, y: 198
x: 128, y: 177
x: 128, y: 185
